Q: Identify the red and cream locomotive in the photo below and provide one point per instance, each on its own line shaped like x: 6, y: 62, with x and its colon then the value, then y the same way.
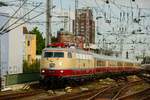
x: 64, y: 64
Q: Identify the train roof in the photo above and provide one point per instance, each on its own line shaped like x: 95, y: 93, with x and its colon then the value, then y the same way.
x: 61, y: 49
x: 112, y: 58
x: 97, y: 56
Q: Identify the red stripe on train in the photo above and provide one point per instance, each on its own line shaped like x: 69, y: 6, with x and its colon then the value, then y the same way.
x: 80, y: 72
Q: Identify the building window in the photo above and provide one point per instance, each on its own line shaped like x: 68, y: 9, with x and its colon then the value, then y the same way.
x: 29, y: 57
x: 28, y: 43
x: 101, y: 63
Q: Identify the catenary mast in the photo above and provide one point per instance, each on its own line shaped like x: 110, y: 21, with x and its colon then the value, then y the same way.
x: 48, y: 22
x: 76, y: 17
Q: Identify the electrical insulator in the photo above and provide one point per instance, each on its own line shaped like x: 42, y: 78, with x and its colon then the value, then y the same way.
x: 107, y: 1
x: 133, y: 0
x: 127, y: 55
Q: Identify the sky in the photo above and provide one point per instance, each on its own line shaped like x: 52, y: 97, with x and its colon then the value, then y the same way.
x: 65, y: 5
x: 109, y: 11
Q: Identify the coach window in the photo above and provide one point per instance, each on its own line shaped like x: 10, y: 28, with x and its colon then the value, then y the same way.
x: 119, y: 63
x: 112, y: 63
x: 103, y: 63
x: 130, y: 64
x: 69, y: 55
x: 137, y: 64
x: 125, y: 64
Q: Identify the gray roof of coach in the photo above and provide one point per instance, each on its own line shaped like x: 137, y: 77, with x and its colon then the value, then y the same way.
x: 69, y: 49
x: 60, y: 49
x: 97, y: 56
x: 103, y: 57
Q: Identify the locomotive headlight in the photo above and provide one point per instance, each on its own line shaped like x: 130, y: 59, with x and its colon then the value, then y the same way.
x: 60, y: 63
x: 61, y: 71
x: 43, y: 71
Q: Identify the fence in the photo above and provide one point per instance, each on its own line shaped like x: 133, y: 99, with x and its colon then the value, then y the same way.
x: 21, y: 78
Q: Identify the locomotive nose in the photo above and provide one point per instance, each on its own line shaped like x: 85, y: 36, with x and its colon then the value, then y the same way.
x: 43, y: 71
x: 51, y: 65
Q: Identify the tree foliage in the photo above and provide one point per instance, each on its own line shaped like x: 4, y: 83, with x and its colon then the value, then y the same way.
x: 54, y: 40
x: 40, y: 42
x: 31, y: 68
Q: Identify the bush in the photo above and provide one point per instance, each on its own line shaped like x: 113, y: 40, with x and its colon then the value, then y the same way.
x: 31, y: 68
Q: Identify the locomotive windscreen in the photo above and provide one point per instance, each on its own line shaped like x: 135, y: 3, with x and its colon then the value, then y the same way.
x: 54, y: 54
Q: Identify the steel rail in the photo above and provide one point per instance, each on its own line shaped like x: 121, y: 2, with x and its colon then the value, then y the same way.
x: 125, y: 87
x: 137, y: 94
x: 94, y: 96
x: 20, y: 95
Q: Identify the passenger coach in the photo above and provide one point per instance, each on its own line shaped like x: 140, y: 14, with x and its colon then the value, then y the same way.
x: 66, y: 63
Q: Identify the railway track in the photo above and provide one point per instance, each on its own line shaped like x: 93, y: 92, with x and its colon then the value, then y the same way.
x: 145, y: 77
x: 142, y: 95
x: 114, y: 92
x: 77, y: 96
x: 126, y: 88
x: 108, y: 93
x: 18, y: 95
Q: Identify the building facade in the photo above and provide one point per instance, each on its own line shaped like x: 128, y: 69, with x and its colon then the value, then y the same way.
x: 29, y: 46
x: 70, y: 39
x: 84, y: 25
x: 65, y: 37
x: 11, y: 50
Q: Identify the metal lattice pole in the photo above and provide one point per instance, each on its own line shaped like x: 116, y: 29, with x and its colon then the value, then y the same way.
x: 48, y: 23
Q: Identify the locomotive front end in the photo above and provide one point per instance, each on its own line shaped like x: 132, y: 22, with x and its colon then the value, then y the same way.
x: 56, y: 66
x: 52, y: 63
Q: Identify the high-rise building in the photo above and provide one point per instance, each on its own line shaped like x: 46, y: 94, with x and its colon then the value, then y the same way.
x: 84, y: 25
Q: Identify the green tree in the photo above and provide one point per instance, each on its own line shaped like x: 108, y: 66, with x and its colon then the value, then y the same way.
x: 40, y: 41
x: 54, y: 39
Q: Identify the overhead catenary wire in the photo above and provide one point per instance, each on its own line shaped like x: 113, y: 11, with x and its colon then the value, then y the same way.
x: 104, y: 14
x: 99, y: 7
x: 13, y: 15
x: 23, y: 23
x: 20, y: 18
x: 38, y: 21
